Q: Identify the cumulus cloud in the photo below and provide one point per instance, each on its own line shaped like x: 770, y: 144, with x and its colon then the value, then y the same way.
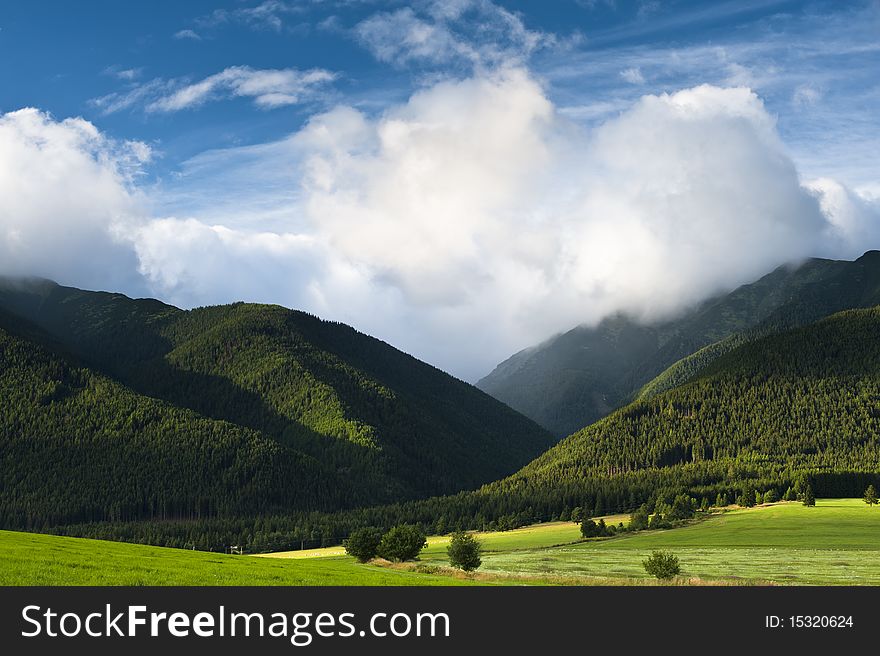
x: 476, y: 200
x: 269, y: 88
x: 64, y: 188
x: 854, y: 218
x: 186, y: 258
x: 475, y: 219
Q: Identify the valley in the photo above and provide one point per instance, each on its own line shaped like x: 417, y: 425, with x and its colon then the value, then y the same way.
x: 837, y: 542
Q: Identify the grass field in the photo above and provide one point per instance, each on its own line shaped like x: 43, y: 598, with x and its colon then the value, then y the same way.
x: 529, y: 537
x: 32, y: 559
x: 837, y: 542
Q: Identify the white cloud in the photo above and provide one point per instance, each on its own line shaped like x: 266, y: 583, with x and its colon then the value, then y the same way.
x: 854, y: 218
x: 475, y: 219
x: 269, y: 88
x: 483, y: 207
x: 133, y: 96
x: 63, y: 188
x: 475, y: 32
x: 268, y: 15
x: 806, y: 95
x: 187, y: 34
x: 470, y: 221
x: 126, y: 74
x: 185, y: 258
x: 633, y: 75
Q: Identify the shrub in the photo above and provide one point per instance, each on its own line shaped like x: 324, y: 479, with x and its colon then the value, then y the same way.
x: 662, y: 565
x: 402, y: 543
x: 770, y: 496
x: 363, y: 543
x: 464, y: 551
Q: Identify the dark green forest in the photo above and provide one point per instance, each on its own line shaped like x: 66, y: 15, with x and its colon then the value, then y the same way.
x: 121, y: 409
x: 797, y: 408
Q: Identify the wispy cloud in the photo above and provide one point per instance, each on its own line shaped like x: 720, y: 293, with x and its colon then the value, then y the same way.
x: 126, y: 74
x: 473, y: 32
x: 132, y: 97
x: 633, y: 75
x: 187, y: 34
x: 268, y: 88
x: 268, y: 15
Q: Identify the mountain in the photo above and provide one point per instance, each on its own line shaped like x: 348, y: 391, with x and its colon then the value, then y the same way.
x: 803, y: 403
x: 78, y: 446
x: 254, y: 408
x: 798, y: 407
x: 580, y: 376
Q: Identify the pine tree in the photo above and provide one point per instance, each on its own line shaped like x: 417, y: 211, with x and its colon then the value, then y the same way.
x: 808, y: 498
x: 870, y: 495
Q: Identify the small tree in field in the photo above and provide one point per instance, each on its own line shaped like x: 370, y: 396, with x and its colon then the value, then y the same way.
x: 661, y: 564
x: 592, y: 529
x: 746, y: 499
x: 639, y: 519
x: 870, y: 495
x: 402, y: 543
x: 363, y: 543
x: 464, y: 551
x: 808, y: 498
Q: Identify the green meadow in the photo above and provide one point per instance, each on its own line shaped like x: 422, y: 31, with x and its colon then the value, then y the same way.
x: 32, y: 559
x: 835, y: 543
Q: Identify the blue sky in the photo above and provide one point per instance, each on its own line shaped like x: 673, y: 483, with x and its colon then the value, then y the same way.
x: 287, y: 151
x: 815, y: 64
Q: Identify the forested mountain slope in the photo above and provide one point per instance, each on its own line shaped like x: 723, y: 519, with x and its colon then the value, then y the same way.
x: 803, y: 402
x: 77, y: 446
x: 793, y: 408
x: 391, y: 426
x: 580, y: 376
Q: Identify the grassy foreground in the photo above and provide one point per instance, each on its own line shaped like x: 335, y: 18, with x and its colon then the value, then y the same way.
x: 835, y: 543
x: 33, y: 559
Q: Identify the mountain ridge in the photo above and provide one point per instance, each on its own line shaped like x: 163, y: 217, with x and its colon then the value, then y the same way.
x: 580, y: 376
x: 396, y: 427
